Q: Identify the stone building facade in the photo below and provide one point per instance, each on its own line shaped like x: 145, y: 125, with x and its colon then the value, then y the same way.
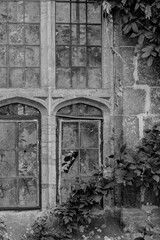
x: 70, y: 84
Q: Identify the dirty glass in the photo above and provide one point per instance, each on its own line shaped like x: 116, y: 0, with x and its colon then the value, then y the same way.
x: 80, y: 109
x: 94, y: 78
x: 62, y: 34
x: 79, y: 77
x: 79, y: 154
x: 78, y: 34
x: 94, y: 56
x: 88, y: 161
x: 3, y: 35
x: 63, y: 56
x: 3, y: 75
x: 79, y: 56
x: 19, y: 156
x: 20, y: 43
x: 3, y: 11
x: 78, y: 12
x: 8, y: 192
x: 94, y: 32
x: 88, y: 135
x: 27, y: 192
x: 16, y: 56
x: 63, y: 12
x: 32, y: 56
x: 93, y: 13
x: 78, y: 25
x: 63, y: 77
x: 16, y: 34
x: 70, y: 135
x: 2, y: 56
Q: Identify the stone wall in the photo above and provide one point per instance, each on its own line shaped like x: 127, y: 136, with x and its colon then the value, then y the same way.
x: 136, y: 107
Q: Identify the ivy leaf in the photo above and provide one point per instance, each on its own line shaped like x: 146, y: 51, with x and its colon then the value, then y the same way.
x: 147, y: 130
x: 135, y: 27
x: 124, y: 2
x: 148, y: 12
x: 158, y: 171
x: 150, y: 61
x: 141, y: 39
x: 138, y: 172
x: 146, y: 55
x: 156, y: 178
x: 127, y: 28
x: 81, y: 228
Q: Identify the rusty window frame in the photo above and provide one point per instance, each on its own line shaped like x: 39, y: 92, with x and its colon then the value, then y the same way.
x: 86, y: 2
x: 23, y: 119
x: 24, y: 45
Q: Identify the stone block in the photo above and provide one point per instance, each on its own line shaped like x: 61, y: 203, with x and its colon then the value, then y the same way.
x: 134, y: 101
x: 150, y: 121
x: 148, y: 75
x: 128, y: 65
x: 155, y: 216
x: 131, y: 131
x: 117, y: 132
x: 155, y: 100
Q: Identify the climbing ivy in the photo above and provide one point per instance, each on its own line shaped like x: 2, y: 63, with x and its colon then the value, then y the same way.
x: 140, y: 21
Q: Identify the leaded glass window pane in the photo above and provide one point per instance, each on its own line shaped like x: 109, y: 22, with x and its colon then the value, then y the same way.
x: 78, y: 44
x: 79, y: 145
x: 20, y: 43
x: 19, y: 157
x: 80, y: 153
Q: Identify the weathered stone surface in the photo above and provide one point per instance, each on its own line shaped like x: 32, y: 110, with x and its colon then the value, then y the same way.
x: 131, y: 131
x: 155, y: 216
x: 150, y: 121
x: 117, y: 132
x: 134, y: 101
x: 149, y: 75
x: 128, y: 66
x: 155, y: 100
x: 18, y: 222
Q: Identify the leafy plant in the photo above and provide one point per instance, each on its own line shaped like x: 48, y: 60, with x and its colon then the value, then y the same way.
x: 141, y: 168
x: 72, y: 219
x: 140, y: 21
x: 3, y: 230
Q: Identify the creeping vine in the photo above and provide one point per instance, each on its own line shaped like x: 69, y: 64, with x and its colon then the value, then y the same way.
x: 140, y: 21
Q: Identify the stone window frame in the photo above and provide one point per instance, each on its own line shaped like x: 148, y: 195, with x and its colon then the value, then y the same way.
x: 20, y: 119
x: 106, y: 146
